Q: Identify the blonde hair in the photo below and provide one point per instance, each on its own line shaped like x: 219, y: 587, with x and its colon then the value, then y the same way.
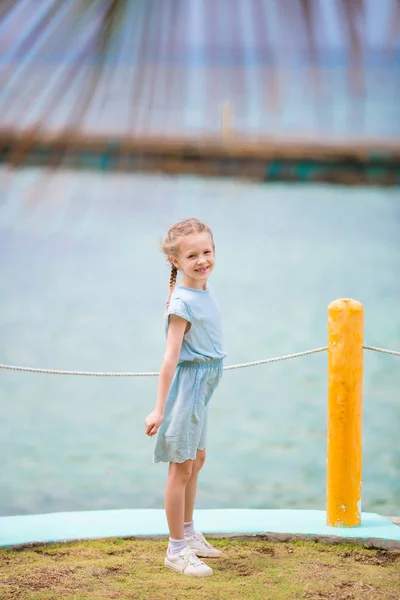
x: 170, y: 245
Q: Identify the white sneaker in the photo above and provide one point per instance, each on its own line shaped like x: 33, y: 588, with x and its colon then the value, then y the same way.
x: 199, y: 545
x: 187, y: 563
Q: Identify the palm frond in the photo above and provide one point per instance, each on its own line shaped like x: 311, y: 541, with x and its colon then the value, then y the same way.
x: 68, y: 55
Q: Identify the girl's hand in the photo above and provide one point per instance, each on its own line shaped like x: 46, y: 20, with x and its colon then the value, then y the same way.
x: 153, y: 422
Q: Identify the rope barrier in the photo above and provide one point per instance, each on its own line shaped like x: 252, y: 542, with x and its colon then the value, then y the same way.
x: 375, y: 349
x: 86, y: 373
x: 155, y: 373
x: 271, y: 360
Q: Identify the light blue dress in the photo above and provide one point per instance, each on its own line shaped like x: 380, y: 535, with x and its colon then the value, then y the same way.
x: 196, y: 377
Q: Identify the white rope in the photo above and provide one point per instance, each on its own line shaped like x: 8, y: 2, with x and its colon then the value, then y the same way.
x: 375, y: 349
x: 87, y: 373
x: 271, y: 360
x: 154, y: 374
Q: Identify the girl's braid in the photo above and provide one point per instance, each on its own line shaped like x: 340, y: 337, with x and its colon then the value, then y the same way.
x: 172, y: 283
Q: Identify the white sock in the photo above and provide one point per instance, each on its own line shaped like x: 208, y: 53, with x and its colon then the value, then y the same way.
x: 175, y: 546
x: 189, y: 529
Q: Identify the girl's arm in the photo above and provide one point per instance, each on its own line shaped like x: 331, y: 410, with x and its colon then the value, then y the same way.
x: 176, y: 331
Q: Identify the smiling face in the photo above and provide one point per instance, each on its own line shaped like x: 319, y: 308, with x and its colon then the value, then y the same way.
x: 195, y: 259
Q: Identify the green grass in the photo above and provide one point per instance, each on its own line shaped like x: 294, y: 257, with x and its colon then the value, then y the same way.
x: 251, y: 569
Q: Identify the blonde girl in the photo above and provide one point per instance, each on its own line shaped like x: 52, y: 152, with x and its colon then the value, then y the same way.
x: 189, y: 374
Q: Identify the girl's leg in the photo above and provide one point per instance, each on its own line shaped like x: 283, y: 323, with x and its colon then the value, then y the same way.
x: 179, y: 474
x: 196, y: 542
x: 191, y: 486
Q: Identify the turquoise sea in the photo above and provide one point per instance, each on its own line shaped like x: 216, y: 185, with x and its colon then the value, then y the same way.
x: 83, y: 286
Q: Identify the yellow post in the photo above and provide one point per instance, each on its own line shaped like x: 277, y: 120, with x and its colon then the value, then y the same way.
x: 345, y: 373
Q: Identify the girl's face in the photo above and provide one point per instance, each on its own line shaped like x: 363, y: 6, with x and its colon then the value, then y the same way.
x: 196, y: 259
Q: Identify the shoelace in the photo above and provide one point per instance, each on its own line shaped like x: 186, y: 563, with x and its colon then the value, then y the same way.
x: 192, y: 560
x: 202, y: 539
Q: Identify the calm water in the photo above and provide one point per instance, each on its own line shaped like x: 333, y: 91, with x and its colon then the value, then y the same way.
x: 83, y: 288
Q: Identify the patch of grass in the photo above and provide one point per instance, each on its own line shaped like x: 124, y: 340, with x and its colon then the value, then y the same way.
x: 250, y: 569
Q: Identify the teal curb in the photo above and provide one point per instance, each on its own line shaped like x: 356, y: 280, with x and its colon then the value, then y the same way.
x: 374, y: 530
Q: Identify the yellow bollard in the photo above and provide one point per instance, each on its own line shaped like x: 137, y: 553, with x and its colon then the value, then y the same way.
x: 345, y: 373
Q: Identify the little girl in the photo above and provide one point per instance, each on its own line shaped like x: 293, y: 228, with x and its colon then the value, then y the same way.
x: 190, y: 372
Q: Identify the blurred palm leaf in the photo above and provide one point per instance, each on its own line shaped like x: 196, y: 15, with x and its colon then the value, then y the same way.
x: 80, y: 42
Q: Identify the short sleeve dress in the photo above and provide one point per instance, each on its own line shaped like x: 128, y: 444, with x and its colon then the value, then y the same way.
x: 196, y: 377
